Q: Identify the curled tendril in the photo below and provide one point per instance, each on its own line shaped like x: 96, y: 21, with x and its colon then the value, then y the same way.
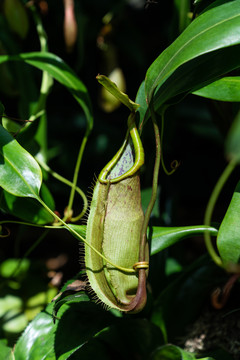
x: 5, y: 229
x: 141, y: 265
x: 219, y: 296
x: 175, y: 164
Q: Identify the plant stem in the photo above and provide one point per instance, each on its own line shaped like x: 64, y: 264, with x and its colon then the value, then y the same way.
x: 162, y: 160
x: 76, y: 172
x: 154, y: 184
x: 210, y: 207
x: 69, y: 183
x: 46, y: 84
x: 29, y: 224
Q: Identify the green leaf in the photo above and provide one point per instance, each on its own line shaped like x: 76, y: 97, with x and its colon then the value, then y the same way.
x: 163, y: 237
x: 204, y: 5
x: 28, y: 209
x: 44, y: 340
x: 228, y: 239
x: 142, y: 112
x: 225, y: 89
x: 80, y: 229
x: 10, y: 125
x: 232, y: 145
x: 72, y: 287
x: 80, y: 320
x: 20, y: 174
x: 79, y: 324
x: 5, y: 351
x: 172, y: 352
x: 73, y: 298
x: 127, y: 339
x: 207, y: 49
x: 61, y: 72
x: 37, y: 341
x: 113, y: 89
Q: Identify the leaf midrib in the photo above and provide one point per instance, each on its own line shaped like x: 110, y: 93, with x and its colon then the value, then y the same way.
x: 181, y: 48
x: 19, y: 174
x: 184, y: 229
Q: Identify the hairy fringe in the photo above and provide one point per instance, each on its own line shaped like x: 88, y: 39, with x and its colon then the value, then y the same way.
x: 92, y: 185
x: 93, y: 296
x: 82, y: 256
x: 84, y: 219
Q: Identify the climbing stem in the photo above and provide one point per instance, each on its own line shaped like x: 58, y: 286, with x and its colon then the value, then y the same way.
x: 162, y: 159
x: 46, y: 85
x: 69, y: 183
x: 46, y: 78
x: 154, y: 184
x: 210, y: 207
x: 29, y: 224
x: 76, y: 172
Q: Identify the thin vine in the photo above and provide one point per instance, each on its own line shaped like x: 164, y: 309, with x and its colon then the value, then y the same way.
x: 210, y: 207
x: 154, y: 184
x: 68, y: 183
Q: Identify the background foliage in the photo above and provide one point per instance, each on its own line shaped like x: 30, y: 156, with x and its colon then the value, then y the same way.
x: 201, y: 131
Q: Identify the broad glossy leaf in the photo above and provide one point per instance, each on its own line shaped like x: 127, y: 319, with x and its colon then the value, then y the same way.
x: 127, y: 339
x: 78, y: 324
x: 90, y: 349
x: 61, y: 72
x: 37, y: 341
x: 204, y: 5
x: 87, y: 319
x: 163, y: 237
x: 232, y: 145
x: 28, y: 209
x: 208, y: 48
x: 20, y: 174
x: 172, y: 352
x: 80, y: 320
x: 74, y: 298
x: 228, y: 240
x: 225, y: 89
